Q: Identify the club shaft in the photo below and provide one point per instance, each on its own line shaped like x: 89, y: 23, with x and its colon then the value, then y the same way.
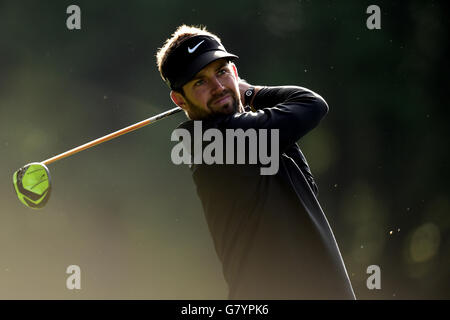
x: 112, y: 135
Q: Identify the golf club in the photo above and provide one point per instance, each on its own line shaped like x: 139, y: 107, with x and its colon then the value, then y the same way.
x: 32, y: 182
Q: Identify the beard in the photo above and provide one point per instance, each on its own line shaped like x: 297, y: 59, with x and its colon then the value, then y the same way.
x: 227, y: 108
x: 231, y: 107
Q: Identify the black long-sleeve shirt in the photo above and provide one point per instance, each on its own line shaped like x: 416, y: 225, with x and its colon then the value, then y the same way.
x: 269, y: 231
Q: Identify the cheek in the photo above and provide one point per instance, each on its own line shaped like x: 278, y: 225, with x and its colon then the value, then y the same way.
x: 233, y: 81
x: 235, y: 86
x: 198, y: 96
x: 201, y: 95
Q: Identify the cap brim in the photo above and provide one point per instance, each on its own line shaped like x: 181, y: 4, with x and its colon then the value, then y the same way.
x: 202, y: 61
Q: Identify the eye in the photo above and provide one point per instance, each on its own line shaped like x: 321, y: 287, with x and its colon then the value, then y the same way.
x: 198, y: 83
x: 222, y: 71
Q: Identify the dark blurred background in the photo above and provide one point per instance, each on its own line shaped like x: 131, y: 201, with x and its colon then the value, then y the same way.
x: 131, y: 219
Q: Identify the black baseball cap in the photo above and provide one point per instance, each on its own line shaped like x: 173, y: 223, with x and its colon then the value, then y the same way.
x: 192, y: 55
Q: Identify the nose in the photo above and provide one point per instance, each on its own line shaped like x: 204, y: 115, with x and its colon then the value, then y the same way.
x: 217, y: 86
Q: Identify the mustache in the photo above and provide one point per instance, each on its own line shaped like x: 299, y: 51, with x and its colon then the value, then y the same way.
x: 221, y: 95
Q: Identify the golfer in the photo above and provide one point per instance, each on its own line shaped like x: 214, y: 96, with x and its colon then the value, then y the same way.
x: 269, y: 231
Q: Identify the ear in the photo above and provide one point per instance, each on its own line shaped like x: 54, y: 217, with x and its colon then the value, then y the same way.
x: 235, y: 70
x: 178, y: 99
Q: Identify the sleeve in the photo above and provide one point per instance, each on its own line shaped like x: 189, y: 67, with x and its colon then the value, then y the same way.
x: 294, y: 111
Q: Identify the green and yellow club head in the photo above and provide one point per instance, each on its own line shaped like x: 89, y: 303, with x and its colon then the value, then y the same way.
x: 32, y: 185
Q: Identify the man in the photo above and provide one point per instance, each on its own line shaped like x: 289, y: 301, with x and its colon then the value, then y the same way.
x: 269, y: 231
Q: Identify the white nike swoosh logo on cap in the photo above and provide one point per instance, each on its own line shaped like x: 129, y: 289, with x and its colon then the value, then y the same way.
x: 195, y: 48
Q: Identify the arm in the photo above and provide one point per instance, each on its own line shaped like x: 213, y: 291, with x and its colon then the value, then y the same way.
x: 293, y: 110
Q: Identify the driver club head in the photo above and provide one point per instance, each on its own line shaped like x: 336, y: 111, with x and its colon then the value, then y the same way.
x: 32, y: 185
